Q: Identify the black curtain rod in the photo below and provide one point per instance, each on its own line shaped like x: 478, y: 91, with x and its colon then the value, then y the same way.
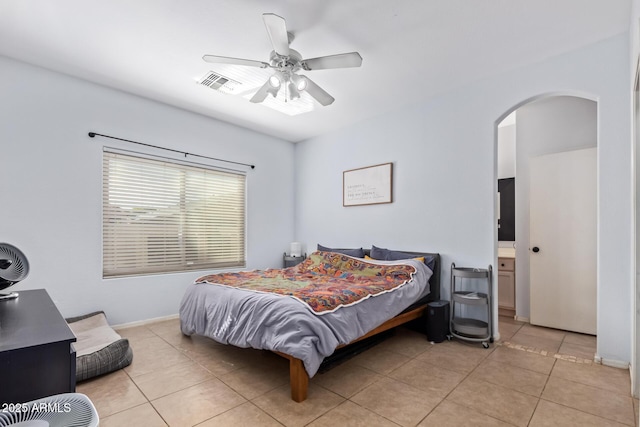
x: 94, y: 134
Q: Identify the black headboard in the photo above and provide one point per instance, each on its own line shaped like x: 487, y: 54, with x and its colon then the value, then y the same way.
x: 434, y: 281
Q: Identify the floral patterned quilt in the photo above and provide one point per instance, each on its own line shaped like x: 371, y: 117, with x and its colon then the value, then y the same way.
x: 324, y: 282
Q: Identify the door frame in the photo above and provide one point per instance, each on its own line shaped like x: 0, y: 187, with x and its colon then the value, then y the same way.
x: 519, y: 256
x: 635, y: 185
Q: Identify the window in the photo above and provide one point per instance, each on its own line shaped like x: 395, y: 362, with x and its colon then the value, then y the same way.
x: 161, y: 217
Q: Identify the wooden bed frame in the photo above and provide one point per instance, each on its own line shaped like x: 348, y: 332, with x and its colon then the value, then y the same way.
x: 298, y: 376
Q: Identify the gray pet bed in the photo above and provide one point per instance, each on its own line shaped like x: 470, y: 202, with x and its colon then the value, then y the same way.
x: 99, y: 349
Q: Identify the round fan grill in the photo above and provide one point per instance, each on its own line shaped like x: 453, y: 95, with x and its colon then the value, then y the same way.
x: 62, y: 410
x: 13, y: 265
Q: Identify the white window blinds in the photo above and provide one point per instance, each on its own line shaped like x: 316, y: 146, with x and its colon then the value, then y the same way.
x: 161, y: 217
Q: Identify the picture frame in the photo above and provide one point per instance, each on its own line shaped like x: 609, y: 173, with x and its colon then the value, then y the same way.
x: 369, y: 185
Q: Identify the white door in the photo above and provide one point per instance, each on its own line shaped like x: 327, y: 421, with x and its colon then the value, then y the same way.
x: 562, y: 240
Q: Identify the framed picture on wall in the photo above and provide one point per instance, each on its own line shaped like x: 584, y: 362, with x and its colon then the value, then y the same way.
x: 370, y: 185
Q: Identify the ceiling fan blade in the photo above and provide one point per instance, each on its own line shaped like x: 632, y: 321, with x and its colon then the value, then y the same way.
x: 318, y: 93
x: 277, y: 30
x: 262, y: 93
x: 235, y: 61
x: 343, y: 60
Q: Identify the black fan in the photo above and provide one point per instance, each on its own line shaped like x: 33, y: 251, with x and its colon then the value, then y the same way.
x: 13, y: 268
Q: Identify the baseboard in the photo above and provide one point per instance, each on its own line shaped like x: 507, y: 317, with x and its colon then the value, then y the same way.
x: 145, y: 322
x: 611, y: 362
x: 507, y: 312
x: 522, y: 319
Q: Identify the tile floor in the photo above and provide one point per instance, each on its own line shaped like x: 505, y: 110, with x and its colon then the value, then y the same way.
x: 533, y: 377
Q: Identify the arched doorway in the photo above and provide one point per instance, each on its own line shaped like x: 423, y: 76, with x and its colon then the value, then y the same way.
x: 544, y: 125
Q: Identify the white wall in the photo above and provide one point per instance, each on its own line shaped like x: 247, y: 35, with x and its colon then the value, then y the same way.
x: 507, y: 151
x: 51, y: 186
x: 445, y: 178
x: 545, y: 126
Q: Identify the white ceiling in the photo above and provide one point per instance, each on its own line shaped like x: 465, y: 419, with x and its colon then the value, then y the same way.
x: 411, y: 49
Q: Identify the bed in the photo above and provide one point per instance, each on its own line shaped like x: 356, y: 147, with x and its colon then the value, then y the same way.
x: 258, y: 309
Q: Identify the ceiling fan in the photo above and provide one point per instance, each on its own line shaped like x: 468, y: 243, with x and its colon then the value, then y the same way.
x: 286, y: 64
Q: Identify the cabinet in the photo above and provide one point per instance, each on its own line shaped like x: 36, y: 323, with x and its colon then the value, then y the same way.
x: 463, y: 299
x: 290, y: 261
x: 37, y: 357
x: 507, y: 286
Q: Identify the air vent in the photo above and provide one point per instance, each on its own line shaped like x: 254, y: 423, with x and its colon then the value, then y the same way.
x: 219, y: 82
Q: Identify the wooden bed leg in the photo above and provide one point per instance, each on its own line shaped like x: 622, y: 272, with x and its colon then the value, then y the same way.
x: 299, y: 380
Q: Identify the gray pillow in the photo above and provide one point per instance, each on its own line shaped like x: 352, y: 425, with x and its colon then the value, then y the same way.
x: 357, y: 253
x: 389, y: 255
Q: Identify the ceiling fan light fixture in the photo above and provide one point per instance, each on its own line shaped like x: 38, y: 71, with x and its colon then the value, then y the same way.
x: 293, y: 92
x: 275, y: 81
x: 273, y: 91
x: 285, y: 62
x: 300, y: 82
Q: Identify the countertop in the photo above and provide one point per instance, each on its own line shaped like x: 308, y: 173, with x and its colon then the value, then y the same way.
x: 506, y: 252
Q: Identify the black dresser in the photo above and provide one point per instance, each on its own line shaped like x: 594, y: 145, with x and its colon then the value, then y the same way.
x: 37, y: 357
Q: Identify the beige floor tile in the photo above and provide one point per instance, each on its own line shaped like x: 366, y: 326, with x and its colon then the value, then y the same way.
x: 349, y: 414
x: 540, y: 332
x: 135, y: 333
x: 171, y: 379
x: 399, y: 382
x: 195, y: 346
x: 406, y: 342
x: 453, y: 415
x: 604, y: 377
x: 197, y: 403
x: 143, y: 415
x: 455, y: 356
x: 220, y: 360
x: 430, y: 378
x: 279, y: 405
x: 496, y: 401
x: 252, y: 381
x: 467, y: 348
x: 346, y: 379
x: 576, y: 350
x: 244, y: 415
x: 580, y: 339
x: 551, y: 346
x: 396, y: 401
x: 380, y: 360
x: 590, y: 399
x: 508, y: 330
x: 510, y: 319
x: 636, y: 411
x: 153, y: 354
x: 549, y: 414
x: 513, y: 377
x: 184, y: 343
x: 165, y: 327
x: 111, y: 393
x: 523, y: 359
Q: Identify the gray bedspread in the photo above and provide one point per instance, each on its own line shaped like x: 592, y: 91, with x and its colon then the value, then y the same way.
x: 281, y: 323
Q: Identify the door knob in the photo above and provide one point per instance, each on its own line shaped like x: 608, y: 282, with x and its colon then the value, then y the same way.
x: 535, y: 249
